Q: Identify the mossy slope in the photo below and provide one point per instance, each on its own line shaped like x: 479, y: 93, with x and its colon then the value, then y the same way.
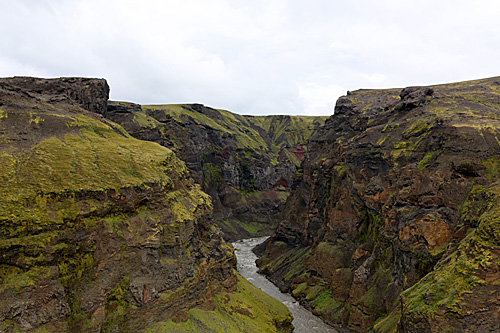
x: 245, y: 163
x: 246, y: 310
x: 99, y: 231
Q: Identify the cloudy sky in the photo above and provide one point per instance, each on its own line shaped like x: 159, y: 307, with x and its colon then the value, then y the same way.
x: 251, y: 57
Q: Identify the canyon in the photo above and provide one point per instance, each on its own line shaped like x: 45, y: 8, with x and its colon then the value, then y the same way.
x: 101, y: 232
x: 114, y: 216
x: 392, y: 224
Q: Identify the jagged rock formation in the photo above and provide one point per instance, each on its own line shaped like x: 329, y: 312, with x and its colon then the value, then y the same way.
x: 245, y: 163
x: 100, y: 231
x: 393, y: 223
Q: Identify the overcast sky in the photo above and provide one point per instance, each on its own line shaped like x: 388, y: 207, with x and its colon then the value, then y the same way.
x: 251, y: 57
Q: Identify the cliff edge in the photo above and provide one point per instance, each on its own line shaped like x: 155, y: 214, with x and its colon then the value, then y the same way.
x: 100, y: 231
x: 392, y: 223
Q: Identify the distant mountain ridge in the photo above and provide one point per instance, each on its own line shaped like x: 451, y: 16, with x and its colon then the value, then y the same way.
x: 246, y: 163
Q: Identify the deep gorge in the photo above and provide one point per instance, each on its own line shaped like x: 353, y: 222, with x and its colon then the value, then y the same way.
x: 383, y: 217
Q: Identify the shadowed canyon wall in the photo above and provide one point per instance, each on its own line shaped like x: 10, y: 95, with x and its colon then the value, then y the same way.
x: 393, y: 222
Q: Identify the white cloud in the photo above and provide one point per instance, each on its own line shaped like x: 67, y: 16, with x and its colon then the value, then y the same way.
x: 259, y: 57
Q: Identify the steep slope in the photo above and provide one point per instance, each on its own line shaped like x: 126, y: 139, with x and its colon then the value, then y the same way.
x: 393, y: 221
x: 100, y: 231
x: 245, y: 163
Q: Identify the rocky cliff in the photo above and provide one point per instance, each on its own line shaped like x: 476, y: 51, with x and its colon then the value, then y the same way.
x: 100, y: 231
x: 245, y: 163
x: 393, y: 222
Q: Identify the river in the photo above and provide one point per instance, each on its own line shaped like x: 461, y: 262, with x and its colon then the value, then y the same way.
x: 303, y: 320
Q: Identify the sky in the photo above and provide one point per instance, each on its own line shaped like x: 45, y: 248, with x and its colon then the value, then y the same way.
x: 251, y: 57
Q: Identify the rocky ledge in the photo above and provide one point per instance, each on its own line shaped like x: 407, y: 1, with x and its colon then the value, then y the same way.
x: 100, y: 231
x: 393, y: 223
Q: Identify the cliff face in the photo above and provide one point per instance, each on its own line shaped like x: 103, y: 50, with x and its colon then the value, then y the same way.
x: 393, y: 219
x: 245, y: 163
x: 100, y: 231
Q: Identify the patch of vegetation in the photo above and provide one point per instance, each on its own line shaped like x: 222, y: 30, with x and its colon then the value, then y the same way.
x: 292, y: 157
x: 369, y: 225
x: 427, y: 159
x: 492, y: 166
x: 417, y: 128
x: 325, y: 303
x: 390, y: 127
x: 456, y: 274
x: 246, y: 310
x: 388, y: 324
x: 473, y: 206
x: 340, y: 169
x: 117, y: 305
x: 212, y: 175
x: 252, y: 228
x: 12, y: 277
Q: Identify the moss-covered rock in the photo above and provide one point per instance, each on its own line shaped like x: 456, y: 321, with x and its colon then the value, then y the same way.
x: 390, y: 202
x: 99, y: 231
x: 245, y: 163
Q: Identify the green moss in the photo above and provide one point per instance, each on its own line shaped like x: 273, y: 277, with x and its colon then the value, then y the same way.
x: 185, y: 205
x: 246, y: 310
x: 292, y: 157
x: 492, y: 166
x: 145, y: 121
x: 390, y: 127
x: 313, y: 292
x: 417, y: 128
x: 300, y: 289
x: 212, y: 175
x: 340, y: 169
x: 12, y: 277
x: 88, y: 162
x: 325, y: 303
x: 427, y: 159
x: 36, y: 119
x: 117, y: 306
x: 456, y: 274
x: 473, y: 206
x: 402, y: 148
x: 227, y: 226
x: 73, y: 267
x: 388, y: 324
x: 370, y: 224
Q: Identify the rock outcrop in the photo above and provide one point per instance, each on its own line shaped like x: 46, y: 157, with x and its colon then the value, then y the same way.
x: 393, y: 222
x: 100, y: 231
x: 245, y: 163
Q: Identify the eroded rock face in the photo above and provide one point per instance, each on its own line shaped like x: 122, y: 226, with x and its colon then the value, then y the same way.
x: 98, y: 231
x: 90, y: 94
x: 245, y: 163
x: 397, y: 184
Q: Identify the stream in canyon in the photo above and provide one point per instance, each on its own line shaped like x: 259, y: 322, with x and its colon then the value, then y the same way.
x: 303, y: 320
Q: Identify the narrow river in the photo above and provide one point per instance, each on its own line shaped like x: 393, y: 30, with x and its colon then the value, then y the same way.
x: 303, y: 320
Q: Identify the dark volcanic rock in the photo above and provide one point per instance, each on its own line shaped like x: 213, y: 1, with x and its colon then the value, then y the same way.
x: 90, y: 94
x: 245, y: 163
x: 100, y: 231
x: 387, y: 219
